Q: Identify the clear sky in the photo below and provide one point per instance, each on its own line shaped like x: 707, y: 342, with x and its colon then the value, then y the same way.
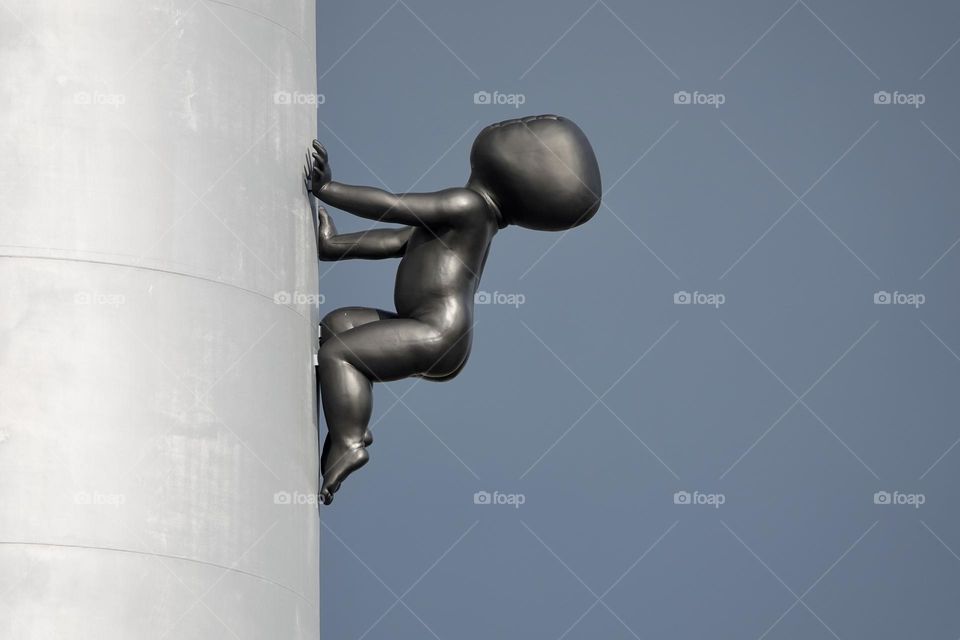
x: 783, y: 194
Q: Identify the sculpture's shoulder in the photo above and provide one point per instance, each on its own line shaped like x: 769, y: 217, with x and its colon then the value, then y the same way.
x: 466, y: 208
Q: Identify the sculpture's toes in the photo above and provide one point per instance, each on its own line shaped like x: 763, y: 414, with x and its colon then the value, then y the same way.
x: 326, y: 496
x: 340, y: 465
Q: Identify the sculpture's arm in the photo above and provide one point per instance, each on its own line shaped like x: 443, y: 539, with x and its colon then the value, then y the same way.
x: 428, y: 210
x: 373, y: 244
x: 433, y: 211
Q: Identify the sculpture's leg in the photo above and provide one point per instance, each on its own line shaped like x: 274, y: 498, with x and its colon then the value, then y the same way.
x: 347, y: 318
x: 337, y: 322
x: 347, y: 397
x: 349, y: 362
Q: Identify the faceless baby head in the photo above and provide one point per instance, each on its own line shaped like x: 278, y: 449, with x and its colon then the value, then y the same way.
x: 540, y: 171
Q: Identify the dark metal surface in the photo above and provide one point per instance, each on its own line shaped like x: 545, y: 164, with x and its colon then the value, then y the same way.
x: 538, y: 172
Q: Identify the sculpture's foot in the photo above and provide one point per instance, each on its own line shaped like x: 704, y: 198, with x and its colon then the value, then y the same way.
x: 342, y: 461
x: 325, y: 454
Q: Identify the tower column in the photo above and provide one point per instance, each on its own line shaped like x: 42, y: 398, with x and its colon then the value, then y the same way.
x: 158, y: 434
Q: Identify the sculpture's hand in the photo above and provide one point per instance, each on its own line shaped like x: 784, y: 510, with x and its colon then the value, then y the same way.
x: 318, y: 168
x: 325, y: 227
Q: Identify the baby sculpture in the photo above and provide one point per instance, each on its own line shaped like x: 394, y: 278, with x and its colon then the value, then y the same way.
x: 537, y: 172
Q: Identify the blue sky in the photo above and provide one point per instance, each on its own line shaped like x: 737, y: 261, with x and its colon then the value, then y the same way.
x: 761, y: 318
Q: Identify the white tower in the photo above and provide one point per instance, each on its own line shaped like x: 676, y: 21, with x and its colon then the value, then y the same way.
x: 158, y: 444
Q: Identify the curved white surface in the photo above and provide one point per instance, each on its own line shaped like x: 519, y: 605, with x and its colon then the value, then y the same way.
x: 155, y: 398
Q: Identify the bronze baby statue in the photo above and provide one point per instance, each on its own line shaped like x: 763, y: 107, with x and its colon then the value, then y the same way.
x: 537, y: 172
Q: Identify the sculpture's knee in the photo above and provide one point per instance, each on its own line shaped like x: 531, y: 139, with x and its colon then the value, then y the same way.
x: 346, y: 318
x: 330, y: 355
x: 335, y: 322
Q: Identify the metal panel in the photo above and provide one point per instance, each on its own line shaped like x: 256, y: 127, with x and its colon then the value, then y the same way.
x: 156, y: 332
